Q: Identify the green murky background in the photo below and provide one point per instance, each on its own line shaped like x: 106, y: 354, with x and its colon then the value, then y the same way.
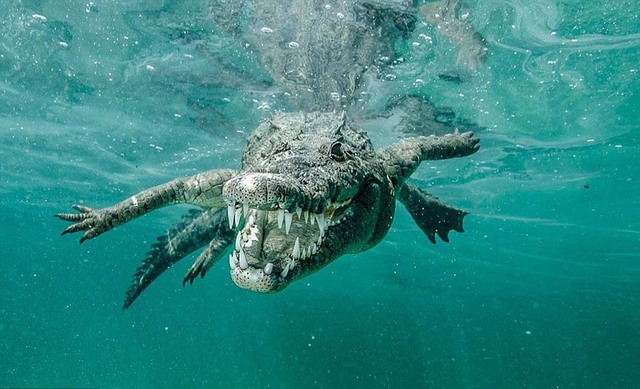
x: 101, y: 99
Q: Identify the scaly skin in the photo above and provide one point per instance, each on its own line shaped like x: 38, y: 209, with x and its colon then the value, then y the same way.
x: 202, y: 189
x: 311, y: 189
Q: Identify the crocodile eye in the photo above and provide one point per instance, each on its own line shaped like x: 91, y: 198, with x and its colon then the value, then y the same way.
x: 337, y: 152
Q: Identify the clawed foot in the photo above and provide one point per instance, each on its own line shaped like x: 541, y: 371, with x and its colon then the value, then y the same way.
x: 93, y: 222
x: 199, y: 267
x: 464, y: 144
x: 474, y: 142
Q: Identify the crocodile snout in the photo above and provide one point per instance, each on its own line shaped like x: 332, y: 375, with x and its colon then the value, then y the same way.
x: 265, y: 191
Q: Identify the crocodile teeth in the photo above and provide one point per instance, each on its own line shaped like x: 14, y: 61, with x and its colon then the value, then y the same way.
x: 231, y: 211
x: 296, y: 249
x: 252, y: 219
x: 245, y: 209
x: 313, y: 218
x: 288, y: 218
x: 293, y: 264
x: 233, y: 261
x: 268, y: 269
x: 243, y: 260
x: 322, y: 225
x: 305, y: 214
x: 280, y: 217
x: 314, y: 248
x: 238, y: 215
x: 238, y: 241
x: 299, y: 212
x: 305, y: 253
x: 285, y: 271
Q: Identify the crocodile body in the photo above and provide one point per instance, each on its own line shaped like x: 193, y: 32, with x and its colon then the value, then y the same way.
x: 311, y: 187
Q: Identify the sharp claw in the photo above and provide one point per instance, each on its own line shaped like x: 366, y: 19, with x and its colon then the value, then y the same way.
x: 82, y: 208
x: 90, y: 234
x: 71, y: 228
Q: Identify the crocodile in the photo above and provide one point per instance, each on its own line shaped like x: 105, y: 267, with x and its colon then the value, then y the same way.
x: 311, y: 189
x: 311, y: 186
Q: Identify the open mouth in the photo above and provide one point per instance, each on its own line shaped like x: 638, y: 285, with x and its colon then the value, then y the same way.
x: 272, y: 246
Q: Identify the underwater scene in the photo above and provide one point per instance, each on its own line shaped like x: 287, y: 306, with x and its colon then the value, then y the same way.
x: 534, y: 277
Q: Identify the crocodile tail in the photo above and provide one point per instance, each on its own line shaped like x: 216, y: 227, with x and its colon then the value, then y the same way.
x: 196, y: 229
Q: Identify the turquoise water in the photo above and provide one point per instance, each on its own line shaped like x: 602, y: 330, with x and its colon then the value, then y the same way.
x: 99, y: 100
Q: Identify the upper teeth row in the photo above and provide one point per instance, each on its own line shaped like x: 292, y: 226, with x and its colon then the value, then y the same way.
x: 284, y: 217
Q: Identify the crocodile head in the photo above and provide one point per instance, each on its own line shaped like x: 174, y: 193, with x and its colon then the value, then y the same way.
x: 311, y: 189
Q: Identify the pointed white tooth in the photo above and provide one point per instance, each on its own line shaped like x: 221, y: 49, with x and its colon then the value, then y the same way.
x: 232, y: 261
x: 280, y: 217
x: 314, y: 249
x: 245, y: 209
x: 238, y: 241
x: 231, y: 211
x: 305, y: 214
x: 293, y: 264
x: 319, y: 240
x: 299, y: 212
x: 288, y: 218
x: 285, y: 271
x: 321, y: 223
x: 243, y: 260
x: 251, y: 220
x: 268, y: 269
x: 238, y: 216
x: 305, y: 253
x: 296, y: 249
x: 313, y: 218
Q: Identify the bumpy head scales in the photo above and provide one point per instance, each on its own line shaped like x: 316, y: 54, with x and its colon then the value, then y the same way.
x: 301, y: 176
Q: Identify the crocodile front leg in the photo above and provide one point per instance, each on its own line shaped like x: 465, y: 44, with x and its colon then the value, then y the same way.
x: 431, y: 214
x: 402, y: 158
x: 203, y: 189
